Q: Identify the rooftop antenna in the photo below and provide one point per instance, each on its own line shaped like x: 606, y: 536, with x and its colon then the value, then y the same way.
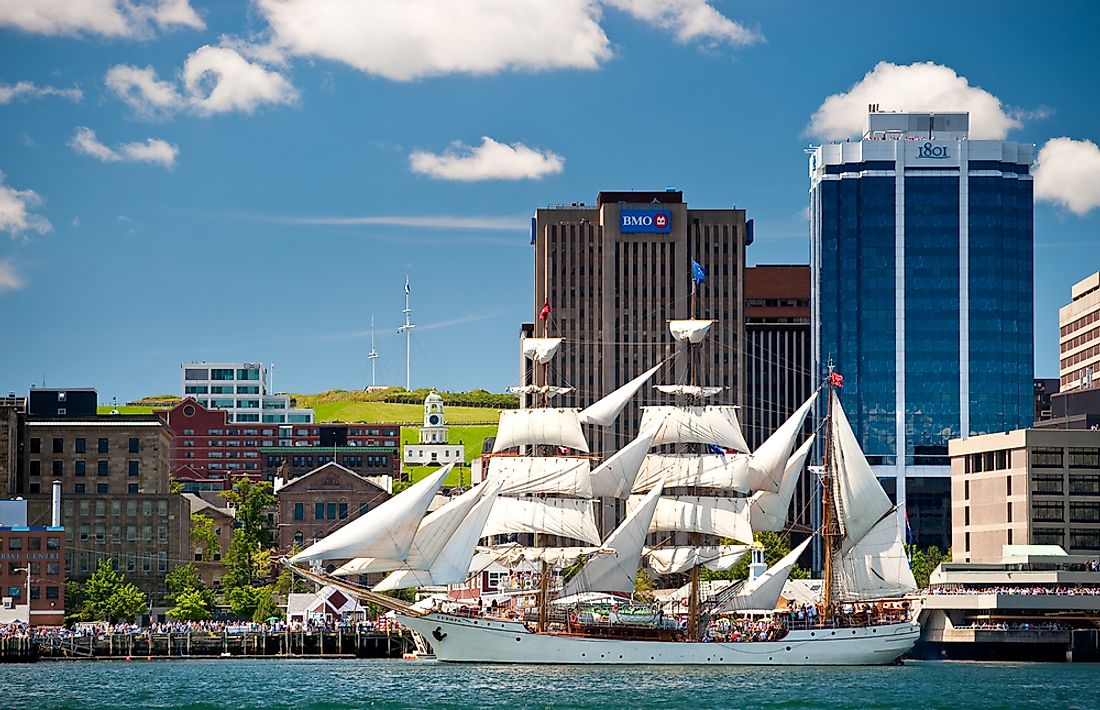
x: 373, y: 354
x: 407, y: 330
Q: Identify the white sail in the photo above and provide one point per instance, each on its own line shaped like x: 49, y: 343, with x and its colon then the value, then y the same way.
x: 716, y: 424
x: 689, y: 390
x: 431, y: 536
x: 763, y: 592
x: 386, y: 532
x: 564, y: 475
x: 618, y: 573
x: 876, y: 567
x: 724, y: 517
x: 768, y: 511
x: 565, y: 517
x: 606, y: 410
x: 674, y: 560
x: 558, y: 427
x: 452, y: 564
x: 548, y: 390
x: 614, y: 478
x: 558, y: 557
x: 860, y: 500
x: 541, y: 350
x: 691, y: 330
x: 768, y: 463
x: 705, y: 471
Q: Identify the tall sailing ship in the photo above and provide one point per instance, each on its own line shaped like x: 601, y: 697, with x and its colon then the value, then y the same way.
x: 689, y: 483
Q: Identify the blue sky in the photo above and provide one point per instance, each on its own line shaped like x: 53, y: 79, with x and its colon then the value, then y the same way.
x: 256, y: 198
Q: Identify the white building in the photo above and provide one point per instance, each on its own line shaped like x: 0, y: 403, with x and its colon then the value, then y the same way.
x: 433, y: 447
x: 242, y: 389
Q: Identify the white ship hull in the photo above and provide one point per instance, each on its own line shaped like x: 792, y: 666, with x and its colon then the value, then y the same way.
x: 466, y: 640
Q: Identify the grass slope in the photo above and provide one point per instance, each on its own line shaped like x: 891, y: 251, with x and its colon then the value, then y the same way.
x: 385, y: 412
x: 471, y: 437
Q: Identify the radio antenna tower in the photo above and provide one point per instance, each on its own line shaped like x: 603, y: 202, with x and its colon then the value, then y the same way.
x: 407, y: 330
x: 373, y: 354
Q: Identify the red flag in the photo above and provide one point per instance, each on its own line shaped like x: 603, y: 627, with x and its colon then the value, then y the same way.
x: 836, y: 379
x: 545, y: 312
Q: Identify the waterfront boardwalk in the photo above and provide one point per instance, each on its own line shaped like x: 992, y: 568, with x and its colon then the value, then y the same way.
x: 312, y: 643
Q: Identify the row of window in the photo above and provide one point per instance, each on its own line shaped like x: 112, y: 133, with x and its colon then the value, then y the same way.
x: 1054, y: 457
x: 326, y: 511
x: 98, y: 533
x: 80, y: 445
x: 1088, y: 353
x: 33, y: 543
x: 80, y: 468
x: 285, y: 432
x: 85, y: 508
x: 1079, y: 539
x: 52, y: 592
x: 1074, y: 326
x: 1055, y: 512
x: 52, y: 568
x: 346, y: 460
x: 87, y: 562
x: 1080, y: 484
x: 221, y: 389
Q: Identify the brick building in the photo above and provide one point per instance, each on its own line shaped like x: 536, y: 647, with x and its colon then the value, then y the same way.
x: 39, y: 549
x: 209, y: 563
x: 325, y: 499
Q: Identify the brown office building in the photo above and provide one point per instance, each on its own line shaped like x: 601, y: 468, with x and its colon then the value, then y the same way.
x: 1025, y: 487
x: 614, y: 273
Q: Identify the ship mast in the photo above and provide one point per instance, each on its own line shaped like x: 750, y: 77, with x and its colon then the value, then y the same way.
x: 407, y: 329
x: 372, y: 355
x: 827, y: 501
x: 693, y: 596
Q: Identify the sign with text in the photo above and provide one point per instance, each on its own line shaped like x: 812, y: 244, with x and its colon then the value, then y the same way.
x: 645, y: 221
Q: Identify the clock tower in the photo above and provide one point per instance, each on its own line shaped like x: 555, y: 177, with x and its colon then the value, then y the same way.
x: 434, y: 431
x: 434, y: 449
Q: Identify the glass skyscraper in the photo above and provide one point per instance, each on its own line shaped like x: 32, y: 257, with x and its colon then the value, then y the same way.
x: 922, y: 256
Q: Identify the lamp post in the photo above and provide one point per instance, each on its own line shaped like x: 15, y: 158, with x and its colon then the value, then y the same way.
x: 27, y: 569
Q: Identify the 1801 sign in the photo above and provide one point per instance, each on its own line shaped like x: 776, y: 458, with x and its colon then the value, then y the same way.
x: 928, y: 150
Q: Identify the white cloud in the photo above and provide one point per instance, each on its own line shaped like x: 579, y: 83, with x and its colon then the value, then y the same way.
x: 915, y: 87
x: 689, y: 20
x: 142, y: 91
x: 153, y: 150
x: 411, y: 39
x: 10, y: 280
x: 107, y: 18
x: 1068, y: 173
x: 489, y: 161
x: 15, y: 211
x: 29, y: 90
x: 219, y: 79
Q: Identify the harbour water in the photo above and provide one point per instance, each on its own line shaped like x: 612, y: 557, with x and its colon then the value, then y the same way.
x: 325, y: 684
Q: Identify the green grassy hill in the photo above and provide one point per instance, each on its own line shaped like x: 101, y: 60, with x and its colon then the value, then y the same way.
x: 386, y: 412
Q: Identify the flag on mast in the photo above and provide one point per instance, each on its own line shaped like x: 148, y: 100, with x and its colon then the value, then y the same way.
x: 545, y: 312
x: 698, y: 273
x: 407, y: 289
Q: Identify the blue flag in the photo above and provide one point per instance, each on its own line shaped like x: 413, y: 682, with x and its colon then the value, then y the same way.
x: 698, y: 273
x: 715, y: 449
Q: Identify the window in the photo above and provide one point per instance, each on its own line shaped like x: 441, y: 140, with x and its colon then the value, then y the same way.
x: 36, y: 468
x: 53, y: 569
x: 1048, y: 511
x: 147, y: 508
x: 299, y: 511
x: 195, y: 373
x: 162, y: 561
x: 102, y: 445
x: 101, y: 488
x: 1084, y: 513
x: 1046, y: 457
x: 133, y: 488
x: 58, y: 445
x: 343, y: 511
x: 1084, y: 458
x: 85, y: 532
x: 80, y: 468
x: 1087, y: 484
x: 135, y: 444
x: 36, y: 446
x: 319, y: 511
x: 99, y: 532
x: 79, y: 445
x: 53, y: 543
x: 331, y: 512
x: 162, y: 533
x: 131, y: 507
x: 219, y: 373
x: 131, y: 533
x: 101, y: 468
x: 57, y: 467
x: 1047, y: 484
x: 299, y: 538
x: 1084, y: 539
x: 162, y: 508
x: 15, y: 543
x: 116, y: 508
x: 80, y: 488
x: 132, y: 468
x: 34, y: 543
x: 52, y: 592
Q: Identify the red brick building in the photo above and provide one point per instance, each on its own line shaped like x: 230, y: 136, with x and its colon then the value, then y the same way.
x: 41, y: 550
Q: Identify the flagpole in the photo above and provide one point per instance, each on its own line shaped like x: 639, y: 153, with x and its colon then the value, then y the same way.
x: 407, y: 330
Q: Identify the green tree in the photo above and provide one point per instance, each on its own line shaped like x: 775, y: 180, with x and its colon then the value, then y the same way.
x: 266, y: 608
x: 643, y: 586
x: 203, y: 536
x: 107, y: 596
x: 252, y: 534
x: 243, y: 601
x: 924, y: 562
x: 192, y: 605
x: 184, y: 578
x: 287, y: 582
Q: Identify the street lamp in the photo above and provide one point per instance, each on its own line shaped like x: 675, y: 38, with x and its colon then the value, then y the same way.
x: 27, y: 569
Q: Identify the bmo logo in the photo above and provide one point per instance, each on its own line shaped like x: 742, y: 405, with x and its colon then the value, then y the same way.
x: 645, y: 221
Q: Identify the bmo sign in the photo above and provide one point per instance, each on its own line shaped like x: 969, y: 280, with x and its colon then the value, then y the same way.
x: 645, y: 221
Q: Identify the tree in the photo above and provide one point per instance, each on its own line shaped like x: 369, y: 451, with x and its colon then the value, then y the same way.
x: 643, y: 586
x: 243, y: 601
x: 203, y: 536
x: 924, y: 562
x: 251, y: 535
x: 184, y: 578
x: 192, y: 605
x: 266, y: 608
x: 107, y: 596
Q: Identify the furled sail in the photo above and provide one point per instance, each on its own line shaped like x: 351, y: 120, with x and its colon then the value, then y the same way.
x: 564, y: 475
x: 763, y: 592
x: 606, y: 410
x: 706, y: 471
x: 452, y: 564
x: 876, y: 567
x: 859, y: 498
x: 689, y: 390
x: 558, y: 427
x: 674, y: 560
x: 548, y: 390
x: 618, y: 573
x: 768, y: 511
x: 614, y: 478
x: 724, y: 517
x: 768, y: 463
x: 565, y: 517
x: 541, y: 350
x: 431, y: 536
x: 716, y: 424
x: 558, y: 557
x: 692, y: 330
x: 386, y: 532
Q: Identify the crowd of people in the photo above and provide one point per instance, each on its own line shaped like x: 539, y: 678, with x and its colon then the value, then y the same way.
x: 1015, y: 626
x: 382, y: 624
x: 725, y: 630
x: 1016, y: 590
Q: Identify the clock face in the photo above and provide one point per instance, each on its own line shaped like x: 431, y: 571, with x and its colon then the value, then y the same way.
x: 433, y: 419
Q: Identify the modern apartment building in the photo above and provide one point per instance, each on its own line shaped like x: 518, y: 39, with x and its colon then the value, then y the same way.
x: 1025, y: 487
x: 241, y: 389
x: 922, y: 269
x: 1079, y: 336
x: 614, y: 273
